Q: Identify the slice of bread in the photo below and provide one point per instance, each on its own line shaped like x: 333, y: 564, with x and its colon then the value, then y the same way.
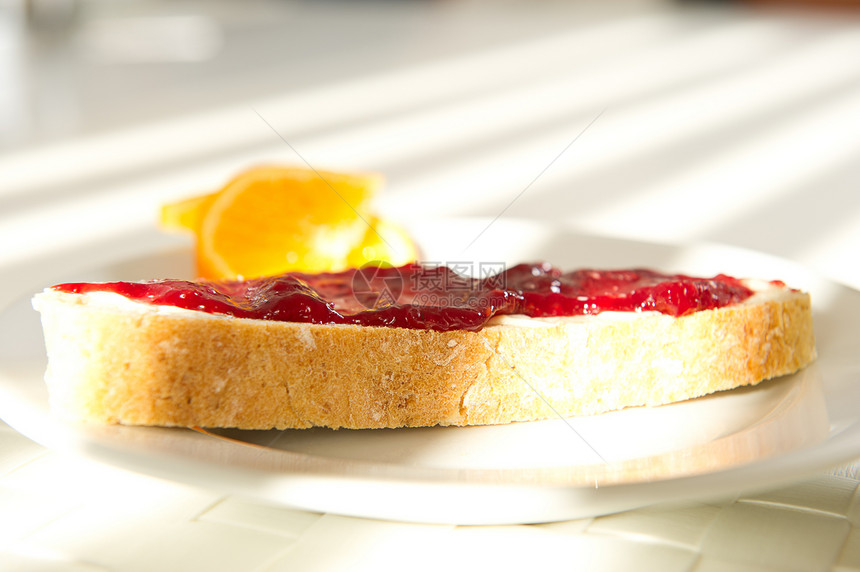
x: 112, y: 360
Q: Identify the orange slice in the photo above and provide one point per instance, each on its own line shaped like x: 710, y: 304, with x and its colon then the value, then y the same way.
x: 186, y: 214
x: 276, y: 219
x: 384, y: 243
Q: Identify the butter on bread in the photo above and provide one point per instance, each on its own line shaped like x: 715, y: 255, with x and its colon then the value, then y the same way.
x: 111, y: 360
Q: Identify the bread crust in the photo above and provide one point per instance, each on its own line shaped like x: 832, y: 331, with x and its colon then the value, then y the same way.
x: 140, y: 365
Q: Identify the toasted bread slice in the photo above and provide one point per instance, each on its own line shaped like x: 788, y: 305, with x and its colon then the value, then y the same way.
x: 112, y: 360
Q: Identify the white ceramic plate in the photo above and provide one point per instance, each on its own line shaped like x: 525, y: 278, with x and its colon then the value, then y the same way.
x: 529, y: 472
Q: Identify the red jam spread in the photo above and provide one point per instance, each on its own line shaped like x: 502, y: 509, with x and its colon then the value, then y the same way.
x: 434, y: 297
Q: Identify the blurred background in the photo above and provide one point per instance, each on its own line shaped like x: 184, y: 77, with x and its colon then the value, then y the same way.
x: 677, y: 121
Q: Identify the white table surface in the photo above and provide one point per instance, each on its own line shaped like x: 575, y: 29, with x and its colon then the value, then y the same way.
x: 667, y: 122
